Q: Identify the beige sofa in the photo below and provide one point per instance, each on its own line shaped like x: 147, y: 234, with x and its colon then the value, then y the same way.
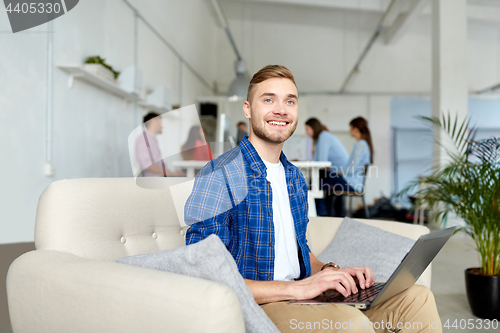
x: 72, y: 284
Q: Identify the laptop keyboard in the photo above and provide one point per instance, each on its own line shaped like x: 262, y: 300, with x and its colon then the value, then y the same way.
x: 363, y: 295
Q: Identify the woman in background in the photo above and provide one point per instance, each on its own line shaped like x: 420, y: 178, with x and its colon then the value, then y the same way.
x: 327, y: 147
x: 351, y: 179
x: 196, y: 148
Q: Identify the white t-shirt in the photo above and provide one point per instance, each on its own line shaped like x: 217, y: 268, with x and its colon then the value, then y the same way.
x: 286, y: 259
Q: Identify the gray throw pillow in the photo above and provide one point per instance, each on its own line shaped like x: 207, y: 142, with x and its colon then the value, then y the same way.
x: 360, y: 244
x: 208, y: 259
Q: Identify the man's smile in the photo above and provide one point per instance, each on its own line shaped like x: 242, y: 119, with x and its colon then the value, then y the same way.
x: 278, y: 123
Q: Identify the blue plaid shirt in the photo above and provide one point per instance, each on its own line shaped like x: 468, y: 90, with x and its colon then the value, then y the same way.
x: 232, y: 198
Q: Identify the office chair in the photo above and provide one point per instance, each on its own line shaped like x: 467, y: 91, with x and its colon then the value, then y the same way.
x: 351, y: 194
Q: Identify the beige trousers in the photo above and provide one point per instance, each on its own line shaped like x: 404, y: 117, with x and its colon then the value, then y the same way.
x: 413, y: 310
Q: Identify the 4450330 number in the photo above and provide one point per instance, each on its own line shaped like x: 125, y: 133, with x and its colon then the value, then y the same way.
x: 472, y: 324
x: 34, y: 7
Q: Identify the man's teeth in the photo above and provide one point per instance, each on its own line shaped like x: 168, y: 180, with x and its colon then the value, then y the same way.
x: 279, y: 123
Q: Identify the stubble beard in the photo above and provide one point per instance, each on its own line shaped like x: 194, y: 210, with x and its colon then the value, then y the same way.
x: 258, y: 127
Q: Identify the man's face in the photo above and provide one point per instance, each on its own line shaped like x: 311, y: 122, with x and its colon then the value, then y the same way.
x: 273, y: 110
x: 158, y: 125
x: 155, y: 125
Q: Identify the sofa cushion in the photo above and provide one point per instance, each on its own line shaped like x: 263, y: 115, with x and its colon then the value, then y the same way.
x: 208, y: 259
x: 359, y: 244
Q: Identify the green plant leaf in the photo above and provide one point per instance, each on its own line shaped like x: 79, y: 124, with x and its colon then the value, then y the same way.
x: 469, y: 189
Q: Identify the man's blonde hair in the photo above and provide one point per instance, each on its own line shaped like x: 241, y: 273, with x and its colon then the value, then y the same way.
x: 266, y: 73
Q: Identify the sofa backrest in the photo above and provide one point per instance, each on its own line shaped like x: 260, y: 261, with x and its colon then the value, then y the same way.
x: 106, y: 218
x: 321, y: 230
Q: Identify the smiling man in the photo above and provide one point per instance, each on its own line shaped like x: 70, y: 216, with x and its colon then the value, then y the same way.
x: 255, y: 200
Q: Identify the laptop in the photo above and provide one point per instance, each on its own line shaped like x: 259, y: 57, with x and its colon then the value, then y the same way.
x: 412, y: 266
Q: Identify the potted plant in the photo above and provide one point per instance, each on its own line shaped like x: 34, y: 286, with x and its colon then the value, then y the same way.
x: 98, y: 66
x: 469, y: 186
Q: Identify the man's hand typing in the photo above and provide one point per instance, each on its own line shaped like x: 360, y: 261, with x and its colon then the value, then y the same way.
x: 342, y: 280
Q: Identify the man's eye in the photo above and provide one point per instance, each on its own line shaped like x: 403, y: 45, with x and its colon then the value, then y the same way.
x: 290, y: 102
x: 267, y: 100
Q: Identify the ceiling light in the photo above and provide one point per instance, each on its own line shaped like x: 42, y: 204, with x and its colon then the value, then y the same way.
x: 239, y: 87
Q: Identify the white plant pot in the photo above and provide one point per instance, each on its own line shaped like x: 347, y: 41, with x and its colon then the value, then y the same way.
x: 101, y: 71
x: 160, y: 97
x: 127, y: 80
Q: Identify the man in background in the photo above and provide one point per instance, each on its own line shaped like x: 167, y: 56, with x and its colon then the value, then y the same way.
x: 242, y: 132
x: 147, y: 150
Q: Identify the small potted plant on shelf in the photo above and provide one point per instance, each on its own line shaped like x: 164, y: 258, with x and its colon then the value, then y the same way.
x: 469, y: 186
x: 98, y: 66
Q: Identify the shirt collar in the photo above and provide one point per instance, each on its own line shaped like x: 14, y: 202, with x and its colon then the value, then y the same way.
x: 149, y: 133
x: 255, y: 161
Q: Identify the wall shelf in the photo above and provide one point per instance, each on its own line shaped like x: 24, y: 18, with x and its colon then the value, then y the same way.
x: 76, y: 71
x: 153, y: 107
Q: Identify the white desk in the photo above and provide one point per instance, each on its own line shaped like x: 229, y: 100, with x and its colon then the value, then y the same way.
x: 309, y: 169
x: 190, y: 166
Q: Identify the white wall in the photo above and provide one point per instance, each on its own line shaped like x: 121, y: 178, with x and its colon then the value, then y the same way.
x: 90, y: 126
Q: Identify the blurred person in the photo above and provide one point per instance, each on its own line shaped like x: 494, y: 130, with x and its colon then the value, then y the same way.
x: 242, y: 131
x: 327, y: 147
x: 351, y: 178
x: 147, y: 150
x: 196, y: 148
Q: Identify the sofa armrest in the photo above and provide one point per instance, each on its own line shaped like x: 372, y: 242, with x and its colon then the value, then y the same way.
x: 52, y: 291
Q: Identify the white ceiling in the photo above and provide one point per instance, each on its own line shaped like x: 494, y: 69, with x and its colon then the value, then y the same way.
x: 344, y: 28
x: 366, y: 5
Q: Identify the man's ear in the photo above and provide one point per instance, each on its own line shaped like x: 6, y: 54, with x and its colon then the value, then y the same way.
x: 246, y: 109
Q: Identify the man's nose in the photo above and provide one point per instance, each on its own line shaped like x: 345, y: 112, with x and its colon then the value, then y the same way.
x: 279, y: 109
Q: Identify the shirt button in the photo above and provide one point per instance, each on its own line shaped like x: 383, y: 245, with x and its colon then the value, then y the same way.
x: 268, y: 182
x: 271, y: 244
x: 269, y: 276
x: 269, y: 214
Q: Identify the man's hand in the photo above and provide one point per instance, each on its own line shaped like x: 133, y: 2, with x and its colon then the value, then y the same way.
x: 363, y: 276
x: 322, y: 281
x: 340, y: 280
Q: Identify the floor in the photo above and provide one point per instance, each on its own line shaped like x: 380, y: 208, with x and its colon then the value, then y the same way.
x: 5, y: 330
x: 448, y: 284
x: 8, y: 252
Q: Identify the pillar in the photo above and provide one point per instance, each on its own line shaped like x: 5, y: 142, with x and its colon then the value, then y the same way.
x: 449, y: 66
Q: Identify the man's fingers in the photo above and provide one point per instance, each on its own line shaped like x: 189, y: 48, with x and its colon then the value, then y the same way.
x: 354, y: 288
x: 348, y: 282
x: 366, y: 275
x: 363, y: 283
x: 370, y: 279
x: 341, y: 289
x: 340, y: 278
x: 372, y: 276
